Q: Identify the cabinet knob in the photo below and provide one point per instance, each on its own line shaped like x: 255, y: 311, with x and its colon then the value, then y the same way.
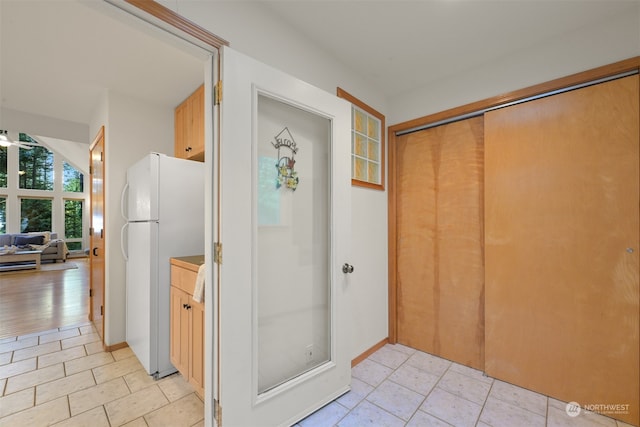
x: 187, y: 149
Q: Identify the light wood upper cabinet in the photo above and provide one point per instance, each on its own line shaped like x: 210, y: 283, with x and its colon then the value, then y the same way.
x: 189, y: 127
x: 187, y: 324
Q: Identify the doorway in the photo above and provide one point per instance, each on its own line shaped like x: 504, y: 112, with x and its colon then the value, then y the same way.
x: 97, y: 233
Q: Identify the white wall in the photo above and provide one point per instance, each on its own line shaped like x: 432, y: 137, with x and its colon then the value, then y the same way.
x: 252, y: 29
x: 592, y: 46
x: 75, y: 153
x: 35, y: 124
x: 133, y: 128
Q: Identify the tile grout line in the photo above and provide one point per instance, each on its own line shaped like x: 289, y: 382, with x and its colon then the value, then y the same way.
x: 375, y: 387
x: 546, y: 414
x: 425, y: 397
x: 493, y: 381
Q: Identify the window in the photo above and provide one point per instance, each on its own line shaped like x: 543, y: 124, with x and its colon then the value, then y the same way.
x: 42, y: 190
x: 73, y: 224
x: 3, y: 167
x: 35, y: 215
x: 35, y: 168
x: 72, y: 180
x: 367, y: 144
x: 3, y: 215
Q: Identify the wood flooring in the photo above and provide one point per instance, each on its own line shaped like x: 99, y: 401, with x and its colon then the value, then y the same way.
x: 40, y: 301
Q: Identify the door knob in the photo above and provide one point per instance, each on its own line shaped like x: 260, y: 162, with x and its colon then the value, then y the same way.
x: 347, y: 268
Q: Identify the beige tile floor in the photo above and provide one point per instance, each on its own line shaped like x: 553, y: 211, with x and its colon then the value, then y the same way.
x: 63, y: 378
x: 400, y: 386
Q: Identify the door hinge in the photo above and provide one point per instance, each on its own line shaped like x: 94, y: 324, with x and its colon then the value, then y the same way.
x: 102, y: 310
x: 102, y: 233
x: 217, y: 93
x: 90, y: 231
x: 217, y: 412
x: 217, y: 253
x: 90, y: 170
x: 90, y: 293
x: 102, y: 156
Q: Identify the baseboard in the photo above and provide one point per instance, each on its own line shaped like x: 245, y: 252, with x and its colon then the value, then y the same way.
x: 115, y: 347
x: 369, y: 352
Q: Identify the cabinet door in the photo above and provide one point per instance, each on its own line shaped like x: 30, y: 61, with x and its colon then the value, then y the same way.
x: 180, y: 129
x: 196, y: 354
x: 196, y: 128
x: 179, y: 332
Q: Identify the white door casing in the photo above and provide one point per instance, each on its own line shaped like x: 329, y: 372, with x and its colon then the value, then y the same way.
x: 245, y: 83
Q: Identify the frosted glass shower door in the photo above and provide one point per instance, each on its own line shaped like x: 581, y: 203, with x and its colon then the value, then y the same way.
x: 284, y: 188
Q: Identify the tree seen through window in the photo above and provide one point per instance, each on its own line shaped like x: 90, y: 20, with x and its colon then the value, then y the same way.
x: 3, y: 167
x: 35, y: 215
x: 35, y: 169
x: 73, y: 179
x: 3, y: 215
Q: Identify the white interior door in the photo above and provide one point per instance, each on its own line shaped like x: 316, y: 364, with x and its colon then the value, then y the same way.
x: 284, y: 215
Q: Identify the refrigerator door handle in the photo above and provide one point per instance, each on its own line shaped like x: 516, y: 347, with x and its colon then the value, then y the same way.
x: 122, y: 234
x: 123, y: 198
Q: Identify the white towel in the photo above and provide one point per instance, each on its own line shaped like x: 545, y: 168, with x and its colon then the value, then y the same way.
x: 198, y: 292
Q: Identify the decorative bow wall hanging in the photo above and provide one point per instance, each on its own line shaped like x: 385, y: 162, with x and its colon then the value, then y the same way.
x: 287, y: 149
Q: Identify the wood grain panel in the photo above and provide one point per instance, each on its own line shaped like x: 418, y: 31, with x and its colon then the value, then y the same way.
x: 97, y: 234
x: 178, y: 21
x: 561, y: 209
x: 440, y: 273
x: 183, y: 279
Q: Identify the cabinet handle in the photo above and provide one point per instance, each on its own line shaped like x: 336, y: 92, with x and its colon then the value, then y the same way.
x: 186, y: 306
x: 187, y: 149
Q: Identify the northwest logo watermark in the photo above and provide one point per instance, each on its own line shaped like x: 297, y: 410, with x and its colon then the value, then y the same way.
x: 573, y: 409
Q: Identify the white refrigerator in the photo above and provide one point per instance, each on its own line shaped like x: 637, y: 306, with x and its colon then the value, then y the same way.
x: 163, y: 206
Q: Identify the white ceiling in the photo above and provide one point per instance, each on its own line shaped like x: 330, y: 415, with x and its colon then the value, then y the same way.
x: 56, y: 60
x: 398, y: 45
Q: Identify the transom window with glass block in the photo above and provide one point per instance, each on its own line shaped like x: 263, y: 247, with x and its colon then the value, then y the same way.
x: 367, y: 144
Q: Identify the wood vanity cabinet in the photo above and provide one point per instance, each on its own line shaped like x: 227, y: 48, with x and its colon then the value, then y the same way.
x: 189, y: 127
x: 187, y: 322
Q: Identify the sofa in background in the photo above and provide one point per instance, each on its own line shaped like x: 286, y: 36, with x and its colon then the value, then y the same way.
x: 53, y: 249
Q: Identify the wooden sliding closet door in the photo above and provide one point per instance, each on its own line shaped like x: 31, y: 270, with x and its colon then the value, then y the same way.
x: 440, y: 274
x: 562, y: 245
